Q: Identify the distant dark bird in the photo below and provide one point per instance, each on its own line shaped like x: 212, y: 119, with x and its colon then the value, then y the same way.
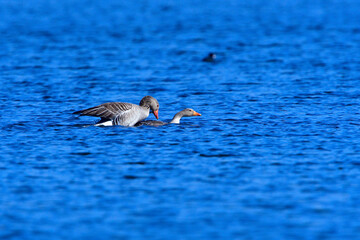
x: 124, y: 114
x: 188, y: 112
x: 210, y: 58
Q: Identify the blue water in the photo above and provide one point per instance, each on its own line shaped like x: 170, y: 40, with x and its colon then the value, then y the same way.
x: 275, y: 154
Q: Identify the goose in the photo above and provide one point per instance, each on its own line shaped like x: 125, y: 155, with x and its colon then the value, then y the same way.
x: 188, y: 112
x: 121, y: 113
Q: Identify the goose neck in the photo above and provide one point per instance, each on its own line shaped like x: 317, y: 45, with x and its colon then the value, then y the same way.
x: 176, y: 118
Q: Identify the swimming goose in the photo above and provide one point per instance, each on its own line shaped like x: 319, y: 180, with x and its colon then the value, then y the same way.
x: 121, y: 113
x: 188, y: 112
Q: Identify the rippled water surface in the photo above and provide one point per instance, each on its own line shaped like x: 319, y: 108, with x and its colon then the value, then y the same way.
x: 275, y: 154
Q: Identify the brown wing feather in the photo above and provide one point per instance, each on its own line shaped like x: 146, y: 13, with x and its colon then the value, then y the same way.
x: 107, y: 110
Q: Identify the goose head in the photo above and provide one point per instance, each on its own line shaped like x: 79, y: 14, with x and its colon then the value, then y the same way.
x: 152, y: 104
x: 188, y: 112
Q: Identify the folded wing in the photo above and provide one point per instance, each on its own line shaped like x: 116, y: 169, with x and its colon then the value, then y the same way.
x: 111, y: 110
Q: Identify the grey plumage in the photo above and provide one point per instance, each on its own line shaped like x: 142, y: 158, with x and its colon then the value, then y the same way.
x: 120, y: 113
x: 106, y: 110
x: 151, y: 123
x: 188, y: 112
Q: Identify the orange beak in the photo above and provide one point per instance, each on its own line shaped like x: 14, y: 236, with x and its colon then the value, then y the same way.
x: 196, y: 114
x: 156, y: 114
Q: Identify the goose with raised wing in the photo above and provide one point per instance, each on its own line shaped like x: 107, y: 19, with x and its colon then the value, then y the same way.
x: 121, y: 113
x: 188, y: 112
